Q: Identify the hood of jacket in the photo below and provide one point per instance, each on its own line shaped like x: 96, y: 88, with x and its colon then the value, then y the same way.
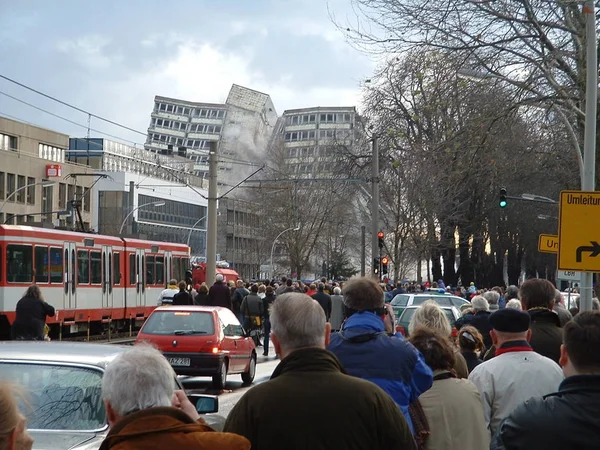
x: 543, y: 315
x: 362, y: 322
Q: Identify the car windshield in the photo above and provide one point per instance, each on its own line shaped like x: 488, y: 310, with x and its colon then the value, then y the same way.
x: 58, y: 397
x: 180, y: 323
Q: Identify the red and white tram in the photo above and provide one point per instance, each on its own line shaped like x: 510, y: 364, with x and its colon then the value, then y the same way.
x: 90, y: 279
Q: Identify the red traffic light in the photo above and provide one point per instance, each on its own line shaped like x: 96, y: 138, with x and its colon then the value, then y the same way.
x: 385, y: 260
x: 380, y: 235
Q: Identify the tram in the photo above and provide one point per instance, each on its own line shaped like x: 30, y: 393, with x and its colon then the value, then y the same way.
x: 94, y: 282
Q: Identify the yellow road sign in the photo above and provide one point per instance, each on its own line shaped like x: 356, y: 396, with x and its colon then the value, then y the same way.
x: 579, y: 231
x: 548, y: 243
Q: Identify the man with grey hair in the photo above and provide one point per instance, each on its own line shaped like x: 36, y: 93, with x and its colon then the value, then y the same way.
x: 337, y: 309
x: 145, y: 411
x: 563, y: 314
x: 480, y: 319
x: 492, y: 298
x: 309, y: 402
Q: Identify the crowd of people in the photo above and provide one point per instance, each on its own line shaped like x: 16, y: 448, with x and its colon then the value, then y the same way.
x: 519, y: 374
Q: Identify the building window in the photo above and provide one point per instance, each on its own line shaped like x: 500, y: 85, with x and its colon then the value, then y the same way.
x: 30, y: 191
x: 62, y: 195
x: 2, y: 185
x: 70, y: 193
x: 10, y: 186
x: 8, y: 142
x: 87, y: 199
x: 51, y: 153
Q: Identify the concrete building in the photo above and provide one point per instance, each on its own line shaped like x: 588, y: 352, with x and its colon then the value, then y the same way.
x: 312, y: 138
x: 37, y: 183
x: 243, y: 125
x: 241, y: 240
x: 136, y: 177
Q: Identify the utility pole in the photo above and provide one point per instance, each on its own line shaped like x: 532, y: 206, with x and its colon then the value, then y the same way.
x: 211, y: 228
x: 363, y: 245
x: 374, y: 202
x: 589, y: 143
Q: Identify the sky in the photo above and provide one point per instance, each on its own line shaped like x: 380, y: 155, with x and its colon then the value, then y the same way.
x: 111, y: 57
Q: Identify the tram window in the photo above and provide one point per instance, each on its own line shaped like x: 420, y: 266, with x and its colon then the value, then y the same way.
x: 149, y: 269
x: 160, y: 270
x: 19, y: 263
x: 132, y: 277
x: 185, y: 266
x: 116, y: 268
x: 41, y: 264
x: 83, y: 267
x: 96, y: 267
x: 56, y: 265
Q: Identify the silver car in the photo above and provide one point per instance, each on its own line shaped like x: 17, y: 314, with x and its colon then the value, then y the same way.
x: 65, y: 409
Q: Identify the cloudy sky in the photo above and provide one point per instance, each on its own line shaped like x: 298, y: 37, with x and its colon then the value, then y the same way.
x: 110, y: 57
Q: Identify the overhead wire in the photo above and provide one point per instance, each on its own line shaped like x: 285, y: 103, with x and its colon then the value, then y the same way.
x: 71, y: 106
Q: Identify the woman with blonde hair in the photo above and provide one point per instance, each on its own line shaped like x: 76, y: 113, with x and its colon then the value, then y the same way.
x: 429, y: 315
x: 31, y: 312
x: 13, y: 434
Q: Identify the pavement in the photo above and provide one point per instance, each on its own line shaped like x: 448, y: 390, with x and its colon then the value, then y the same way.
x: 234, y: 389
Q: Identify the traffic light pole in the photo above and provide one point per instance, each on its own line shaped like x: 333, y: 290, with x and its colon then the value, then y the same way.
x: 375, y: 203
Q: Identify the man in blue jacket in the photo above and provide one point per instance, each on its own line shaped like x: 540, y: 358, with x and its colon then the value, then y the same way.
x: 366, y: 351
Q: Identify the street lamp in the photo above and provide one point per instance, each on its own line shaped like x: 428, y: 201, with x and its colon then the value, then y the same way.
x: 537, y: 198
x: 275, y: 241
x: 159, y: 203
x: 193, y: 226
x: 44, y: 183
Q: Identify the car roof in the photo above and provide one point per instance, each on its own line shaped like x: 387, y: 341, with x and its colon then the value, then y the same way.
x: 98, y: 355
x: 190, y: 308
x: 441, y: 306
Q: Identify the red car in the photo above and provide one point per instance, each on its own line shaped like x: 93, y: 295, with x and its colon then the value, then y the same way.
x: 201, y: 341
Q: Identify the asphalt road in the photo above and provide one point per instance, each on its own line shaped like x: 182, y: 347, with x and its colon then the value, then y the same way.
x: 234, y: 388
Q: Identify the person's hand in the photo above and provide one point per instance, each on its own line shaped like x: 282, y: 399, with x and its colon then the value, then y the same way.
x: 181, y: 402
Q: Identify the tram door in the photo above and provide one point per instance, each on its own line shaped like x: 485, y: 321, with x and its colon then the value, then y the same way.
x: 70, y: 276
x: 168, y: 267
x: 107, y: 275
x: 140, y: 277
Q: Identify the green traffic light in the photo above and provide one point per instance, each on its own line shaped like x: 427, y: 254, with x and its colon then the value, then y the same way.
x: 502, y: 203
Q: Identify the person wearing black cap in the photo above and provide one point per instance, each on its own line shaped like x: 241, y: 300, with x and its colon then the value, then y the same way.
x: 516, y: 373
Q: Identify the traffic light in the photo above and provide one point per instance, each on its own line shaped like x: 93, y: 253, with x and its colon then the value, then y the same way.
x: 376, y: 263
x: 503, y: 201
x: 384, y: 265
x: 380, y: 237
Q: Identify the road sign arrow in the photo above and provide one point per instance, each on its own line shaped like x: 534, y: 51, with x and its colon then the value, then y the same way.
x: 594, y: 250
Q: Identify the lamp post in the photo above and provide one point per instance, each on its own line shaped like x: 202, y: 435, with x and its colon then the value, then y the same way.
x: 159, y: 203
x: 45, y: 183
x: 537, y: 198
x: 275, y: 241
x: 193, y: 226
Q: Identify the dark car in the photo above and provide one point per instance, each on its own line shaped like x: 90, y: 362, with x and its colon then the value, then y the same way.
x: 63, y: 383
x: 202, y: 341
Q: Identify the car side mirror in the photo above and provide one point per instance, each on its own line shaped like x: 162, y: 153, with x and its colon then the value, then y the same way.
x: 204, y: 404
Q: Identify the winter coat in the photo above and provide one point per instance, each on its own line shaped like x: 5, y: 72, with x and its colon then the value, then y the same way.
x: 201, y: 299
x: 563, y: 315
x: 30, y: 319
x: 183, y: 297
x: 325, y: 302
x: 267, y: 302
x: 309, y: 403
x: 472, y: 359
x: 163, y: 428
x: 218, y: 295
x: 391, y: 362
x: 514, y: 375
x: 546, y: 334
x: 252, y: 306
x: 454, y: 414
x: 479, y: 320
x: 166, y: 295
x: 237, y: 298
x: 563, y: 420
x: 337, y: 312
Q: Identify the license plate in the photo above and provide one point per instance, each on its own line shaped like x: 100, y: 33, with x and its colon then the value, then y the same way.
x: 179, y: 361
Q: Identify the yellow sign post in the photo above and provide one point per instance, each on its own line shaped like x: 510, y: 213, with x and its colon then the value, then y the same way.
x: 548, y: 243
x: 579, y: 231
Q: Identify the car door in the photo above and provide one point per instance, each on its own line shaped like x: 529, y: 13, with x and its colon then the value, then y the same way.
x: 234, y: 341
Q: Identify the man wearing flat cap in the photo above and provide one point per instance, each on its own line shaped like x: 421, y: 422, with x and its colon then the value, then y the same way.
x: 517, y: 373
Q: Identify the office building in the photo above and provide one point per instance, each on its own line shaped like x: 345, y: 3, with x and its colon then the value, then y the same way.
x: 242, y: 125
x: 38, y: 186
x: 312, y: 138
